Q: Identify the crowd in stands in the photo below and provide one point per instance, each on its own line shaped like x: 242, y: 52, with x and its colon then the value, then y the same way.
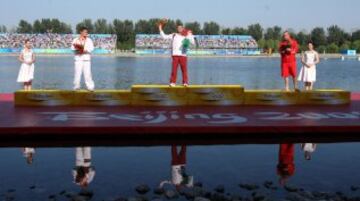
x: 202, y: 42
x: 53, y: 41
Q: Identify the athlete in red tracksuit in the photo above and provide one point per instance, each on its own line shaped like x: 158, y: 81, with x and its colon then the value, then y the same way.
x: 288, y: 49
x: 180, y: 45
x: 286, y: 165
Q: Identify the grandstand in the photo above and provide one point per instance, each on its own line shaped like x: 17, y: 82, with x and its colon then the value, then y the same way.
x: 54, y: 43
x: 205, y: 45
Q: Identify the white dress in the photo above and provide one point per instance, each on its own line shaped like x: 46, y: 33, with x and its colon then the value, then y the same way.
x: 308, y: 74
x: 26, y: 73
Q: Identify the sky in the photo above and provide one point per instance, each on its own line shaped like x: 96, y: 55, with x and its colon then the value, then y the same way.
x: 298, y: 15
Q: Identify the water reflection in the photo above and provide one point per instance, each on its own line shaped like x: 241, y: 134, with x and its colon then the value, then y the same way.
x: 308, y: 149
x: 167, y: 172
x: 83, y: 172
x: 286, y: 165
x: 179, y: 175
x: 28, y: 153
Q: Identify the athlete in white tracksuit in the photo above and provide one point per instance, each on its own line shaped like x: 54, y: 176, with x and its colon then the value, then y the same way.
x: 83, y: 60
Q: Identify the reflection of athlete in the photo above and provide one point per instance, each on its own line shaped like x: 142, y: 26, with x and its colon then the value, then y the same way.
x: 286, y: 165
x: 308, y: 149
x: 29, y: 153
x: 83, y: 172
x: 181, y: 42
x: 288, y: 49
x: 179, y: 177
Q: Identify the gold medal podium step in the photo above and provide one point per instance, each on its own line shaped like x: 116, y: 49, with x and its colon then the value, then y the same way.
x: 195, y: 95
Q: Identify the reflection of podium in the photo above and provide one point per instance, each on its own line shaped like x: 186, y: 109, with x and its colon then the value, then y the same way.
x: 195, y: 95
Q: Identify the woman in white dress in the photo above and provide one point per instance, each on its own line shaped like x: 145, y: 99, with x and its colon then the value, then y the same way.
x: 310, y: 59
x: 27, y: 59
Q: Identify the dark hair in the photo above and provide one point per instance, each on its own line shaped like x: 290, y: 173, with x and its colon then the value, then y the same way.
x: 83, y: 29
x: 310, y: 42
x: 26, y: 40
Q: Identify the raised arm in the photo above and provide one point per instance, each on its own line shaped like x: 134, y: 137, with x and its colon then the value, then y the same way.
x: 163, y: 35
x: 191, y: 38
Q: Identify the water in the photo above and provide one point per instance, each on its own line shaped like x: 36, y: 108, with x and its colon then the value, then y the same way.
x: 121, y: 73
x: 333, y: 168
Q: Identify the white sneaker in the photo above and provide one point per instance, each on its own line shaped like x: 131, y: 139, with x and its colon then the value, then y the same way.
x: 172, y: 84
x: 186, y: 84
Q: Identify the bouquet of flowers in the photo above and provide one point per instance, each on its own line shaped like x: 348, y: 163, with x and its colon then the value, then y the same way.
x: 79, y: 48
x: 162, y: 22
x: 286, y: 46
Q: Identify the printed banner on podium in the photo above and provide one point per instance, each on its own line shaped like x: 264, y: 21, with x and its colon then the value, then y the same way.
x: 270, y: 97
x: 44, y: 98
x: 158, y: 95
x: 102, y: 98
x: 325, y: 97
x: 221, y: 95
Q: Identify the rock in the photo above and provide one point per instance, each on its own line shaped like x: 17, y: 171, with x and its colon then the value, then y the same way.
x: 219, y: 197
x: 198, y: 184
x: 290, y: 188
x: 156, y: 199
x: 201, y: 199
x: 52, y: 196
x: 63, y: 192
x: 79, y: 198
x: 220, y: 189
x: 249, y: 187
x: 142, y: 189
x: 171, y: 194
x: 295, y: 197
x: 354, y: 188
x: 133, y: 199
x: 158, y: 191
x: 120, y: 199
x: 32, y: 187
x: 87, y: 194
x: 268, y: 184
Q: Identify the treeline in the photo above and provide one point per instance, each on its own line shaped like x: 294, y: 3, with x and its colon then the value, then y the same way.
x: 331, y: 40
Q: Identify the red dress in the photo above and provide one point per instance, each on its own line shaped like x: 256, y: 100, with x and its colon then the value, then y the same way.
x: 288, y: 58
x: 286, y: 166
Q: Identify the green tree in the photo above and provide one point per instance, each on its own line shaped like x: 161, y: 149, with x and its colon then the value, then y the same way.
x: 195, y: 27
x: 85, y: 23
x: 332, y: 48
x: 226, y: 31
x: 24, y: 27
x: 273, y: 33
x: 336, y: 35
x: 239, y: 31
x: 142, y: 27
x: 101, y: 27
x: 3, y: 29
x: 318, y: 36
x: 125, y: 33
x: 345, y: 46
x: 256, y: 31
x: 211, y: 28
x: 355, y: 36
x: 356, y: 45
x: 170, y: 26
x: 302, y: 38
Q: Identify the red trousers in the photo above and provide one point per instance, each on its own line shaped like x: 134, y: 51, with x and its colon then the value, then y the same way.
x: 178, y: 158
x: 182, y: 61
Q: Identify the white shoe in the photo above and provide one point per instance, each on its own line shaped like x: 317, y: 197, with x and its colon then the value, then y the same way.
x: 186, y: 84
x: 172, y: 84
